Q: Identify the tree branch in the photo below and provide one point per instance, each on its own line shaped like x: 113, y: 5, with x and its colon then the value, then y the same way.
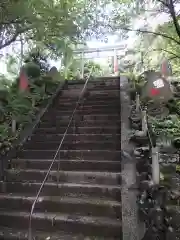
x: 14, y: 37
x: 151, y: 32
x: 164, y: 50
x: 163, y: 2
x: 174, y: 18
x: 171, y: 58
x: 13, y: 21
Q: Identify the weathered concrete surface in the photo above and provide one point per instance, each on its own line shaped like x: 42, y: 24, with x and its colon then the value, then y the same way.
x: 131, y: 226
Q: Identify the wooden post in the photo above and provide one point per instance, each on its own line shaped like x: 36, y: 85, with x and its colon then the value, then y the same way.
x: 155, y: 166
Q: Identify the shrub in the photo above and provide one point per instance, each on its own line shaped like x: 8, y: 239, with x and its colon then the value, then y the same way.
x: 19, y: 108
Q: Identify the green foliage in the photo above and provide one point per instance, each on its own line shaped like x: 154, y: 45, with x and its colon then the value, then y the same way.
x: 71, y: 75
x: 32, y: 70
x: 39, y: 59
x: 40, y: 21
x: 95, y: 68
x: 136, y: 83
x: 169, y: 126
x: 168, y: 47
x: 21, y: 107
x: 52, y: 24
x: 36, y: 64
x: 73, y: 72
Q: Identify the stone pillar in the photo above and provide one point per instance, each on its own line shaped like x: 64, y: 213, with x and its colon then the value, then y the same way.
x: 116, y: 68
x: 155, y: 166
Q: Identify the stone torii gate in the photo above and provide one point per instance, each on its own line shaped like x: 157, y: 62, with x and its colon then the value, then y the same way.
x: 114, y: 51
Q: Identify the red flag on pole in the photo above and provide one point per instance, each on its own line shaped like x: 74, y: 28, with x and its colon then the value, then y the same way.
x: 23, y: 83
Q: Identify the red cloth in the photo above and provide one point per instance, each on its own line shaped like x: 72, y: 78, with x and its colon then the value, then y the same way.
x: 23, y: 83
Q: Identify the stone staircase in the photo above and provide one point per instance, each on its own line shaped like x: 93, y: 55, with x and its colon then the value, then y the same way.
x: 83, y: 199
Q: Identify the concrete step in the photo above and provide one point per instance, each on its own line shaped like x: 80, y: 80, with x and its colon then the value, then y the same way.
x: 85, y: 117
x: 104, y: 95
x: 102, y: 88
x: 77, y: 137
x: 53, y: 113
x: 104, y: 106
x: 107, y: 192
x: 97, y: 90
x: 71, y: 154
x: 94, y: 99
x: 93, y: 84
x: 85, y: 106
x: 81, y: 130
x: 37, y: 175
x: 69, y: 205
x: 72, y: 145
x: 86, y: 102
x: 20, y: 234
x: 99, y: 226
x: 77, y: 121
x: 98, y: 81
x: 67, y: 165
x: 90, y: 89
x: 81, y: 198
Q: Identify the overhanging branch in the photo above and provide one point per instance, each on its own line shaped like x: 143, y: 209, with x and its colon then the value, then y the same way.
x: 174, y: 18
x: 14, y: 37
x: 151, y: 32
x: 167, y: 51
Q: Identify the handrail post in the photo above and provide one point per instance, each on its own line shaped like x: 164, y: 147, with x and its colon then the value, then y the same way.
x: 144, y: 121
x: 155, y: 165
x: 137, y: 102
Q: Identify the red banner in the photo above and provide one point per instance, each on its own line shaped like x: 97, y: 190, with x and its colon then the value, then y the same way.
x: 23, y: 83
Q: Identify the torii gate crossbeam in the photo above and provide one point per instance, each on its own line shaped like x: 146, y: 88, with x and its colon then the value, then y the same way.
x: 114, y: 48
x: 101, y: 49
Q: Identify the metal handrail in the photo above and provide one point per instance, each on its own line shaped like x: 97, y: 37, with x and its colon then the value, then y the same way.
x: 57, y: 152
